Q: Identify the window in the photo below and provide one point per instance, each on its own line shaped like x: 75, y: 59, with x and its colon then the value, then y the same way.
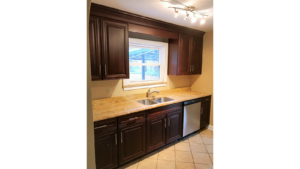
x: 147, y: 64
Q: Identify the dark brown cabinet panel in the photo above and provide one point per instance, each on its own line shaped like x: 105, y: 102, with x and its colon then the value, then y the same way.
x: 174, y: 127
x: 155, y: 132
x: 164, y: 125
x: 106, y: 150
x: 115, y: 49
x: 185, y: 55
x: 132, y: 137
x: 95, y: 53
x: 184, y: 58
x: 196, y: 55
x: 205, y: 112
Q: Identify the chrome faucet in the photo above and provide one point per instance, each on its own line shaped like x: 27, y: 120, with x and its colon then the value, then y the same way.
x: 149, y: 93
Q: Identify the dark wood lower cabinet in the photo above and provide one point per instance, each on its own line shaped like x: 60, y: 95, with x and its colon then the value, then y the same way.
x: 205, y: 112
x: 155, y: 132
x: 174, y: 127
x: 106, y: 150
x: 132, y: 142
x: 164, y: 125
x: 120, y: 140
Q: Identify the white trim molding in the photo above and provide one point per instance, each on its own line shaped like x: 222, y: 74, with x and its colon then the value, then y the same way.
x: 142, y: 87
x: 210, y: 127
x: 163, y: 63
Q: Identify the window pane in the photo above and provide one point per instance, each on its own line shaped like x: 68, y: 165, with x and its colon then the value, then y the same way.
x: 143, y: 55
x: 140, y: 73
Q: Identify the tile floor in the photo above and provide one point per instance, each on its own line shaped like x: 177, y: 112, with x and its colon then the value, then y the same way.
x: 194, y: 152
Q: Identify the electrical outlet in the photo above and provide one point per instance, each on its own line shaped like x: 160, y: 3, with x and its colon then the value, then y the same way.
x: 108, y: 90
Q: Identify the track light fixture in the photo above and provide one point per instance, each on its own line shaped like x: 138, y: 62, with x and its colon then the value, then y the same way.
x: 191, y: 10
x: 176, y: 13
x: 187, y: 15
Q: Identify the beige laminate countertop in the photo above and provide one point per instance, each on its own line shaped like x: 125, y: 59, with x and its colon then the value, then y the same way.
x: 118, y: 106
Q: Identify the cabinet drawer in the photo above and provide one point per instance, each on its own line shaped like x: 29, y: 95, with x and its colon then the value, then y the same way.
x: 105, y: 125
x: 131, y: 118
x: 164, y: 109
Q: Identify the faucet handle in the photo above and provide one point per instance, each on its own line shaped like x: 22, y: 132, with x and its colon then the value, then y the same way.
x: 149, y: 90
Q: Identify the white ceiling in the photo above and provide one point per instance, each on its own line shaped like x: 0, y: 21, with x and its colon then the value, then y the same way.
x: 160, y: 11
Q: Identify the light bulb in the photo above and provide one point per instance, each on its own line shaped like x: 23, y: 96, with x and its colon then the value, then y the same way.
x: 205, y: 16
x: 194, y: 19
x: 187, y: 15
x: 176, y: 13
x: 202, y: 21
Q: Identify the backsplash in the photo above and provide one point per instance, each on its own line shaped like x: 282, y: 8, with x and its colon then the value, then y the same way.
x: 99, y: 87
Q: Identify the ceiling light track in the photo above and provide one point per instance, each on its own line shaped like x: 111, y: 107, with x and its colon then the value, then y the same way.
x: 191, y: 10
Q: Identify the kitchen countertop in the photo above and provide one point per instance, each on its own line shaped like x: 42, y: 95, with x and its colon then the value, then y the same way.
x: 123, y: 105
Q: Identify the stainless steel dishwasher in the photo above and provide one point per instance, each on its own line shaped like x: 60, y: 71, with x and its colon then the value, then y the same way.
x: 191, y: 116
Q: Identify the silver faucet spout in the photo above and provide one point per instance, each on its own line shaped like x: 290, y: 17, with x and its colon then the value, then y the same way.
x: 149, y: 93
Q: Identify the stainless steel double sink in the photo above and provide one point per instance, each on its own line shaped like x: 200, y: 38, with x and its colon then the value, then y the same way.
x: 155, y: 101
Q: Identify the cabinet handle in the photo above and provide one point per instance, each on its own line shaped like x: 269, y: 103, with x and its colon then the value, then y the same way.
x: 121, y: 137
x: 116, y: 139
x: 206, y: 99
x: 100, y: 127
x: 134, y: 118
x: 165, y: 123
x: 105, y: 69
x: 169, y: 121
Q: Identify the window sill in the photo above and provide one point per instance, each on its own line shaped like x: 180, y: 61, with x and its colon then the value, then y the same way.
x: 145, y: 86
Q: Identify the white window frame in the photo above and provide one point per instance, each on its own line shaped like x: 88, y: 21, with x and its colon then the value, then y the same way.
x: 163, y: 57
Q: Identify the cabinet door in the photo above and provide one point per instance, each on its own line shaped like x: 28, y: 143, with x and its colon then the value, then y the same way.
x: 184, y: 66
x: 132, y: 142
x: 174, y: 126
x: 106, y: 150
x: 95, y: 53
x: 156, y: 127
x: 115, y: 49
x: 196, y: 49
x: 205, y: 114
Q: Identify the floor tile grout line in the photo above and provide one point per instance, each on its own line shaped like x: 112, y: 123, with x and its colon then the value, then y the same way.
x: 207, y: 150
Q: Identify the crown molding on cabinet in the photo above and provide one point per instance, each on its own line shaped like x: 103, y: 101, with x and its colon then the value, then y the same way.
x: 112, y: 13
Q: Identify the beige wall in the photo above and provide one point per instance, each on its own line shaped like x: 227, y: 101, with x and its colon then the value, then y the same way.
x: 90, y: 124
x: 204, y: 82
x: 99, y: 87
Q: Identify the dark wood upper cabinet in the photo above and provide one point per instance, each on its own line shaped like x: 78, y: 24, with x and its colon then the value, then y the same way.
x: 196, y: 54
x: 115, y: 49
x: 95, y: 52
x: 184, y: 59
x: 205, y: 112
x: 174, y: 127
x: 132, y: 137
x: 185, y: 55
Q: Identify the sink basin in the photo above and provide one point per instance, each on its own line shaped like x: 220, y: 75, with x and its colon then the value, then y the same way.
x: 155, y: 101
x: 147, y: 102
x: 163, y: 99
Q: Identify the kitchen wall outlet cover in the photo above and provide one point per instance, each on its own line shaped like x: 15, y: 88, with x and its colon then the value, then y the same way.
x: 108, y: 90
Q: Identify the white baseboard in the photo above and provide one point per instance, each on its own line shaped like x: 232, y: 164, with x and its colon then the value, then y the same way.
x: 210, y: 127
